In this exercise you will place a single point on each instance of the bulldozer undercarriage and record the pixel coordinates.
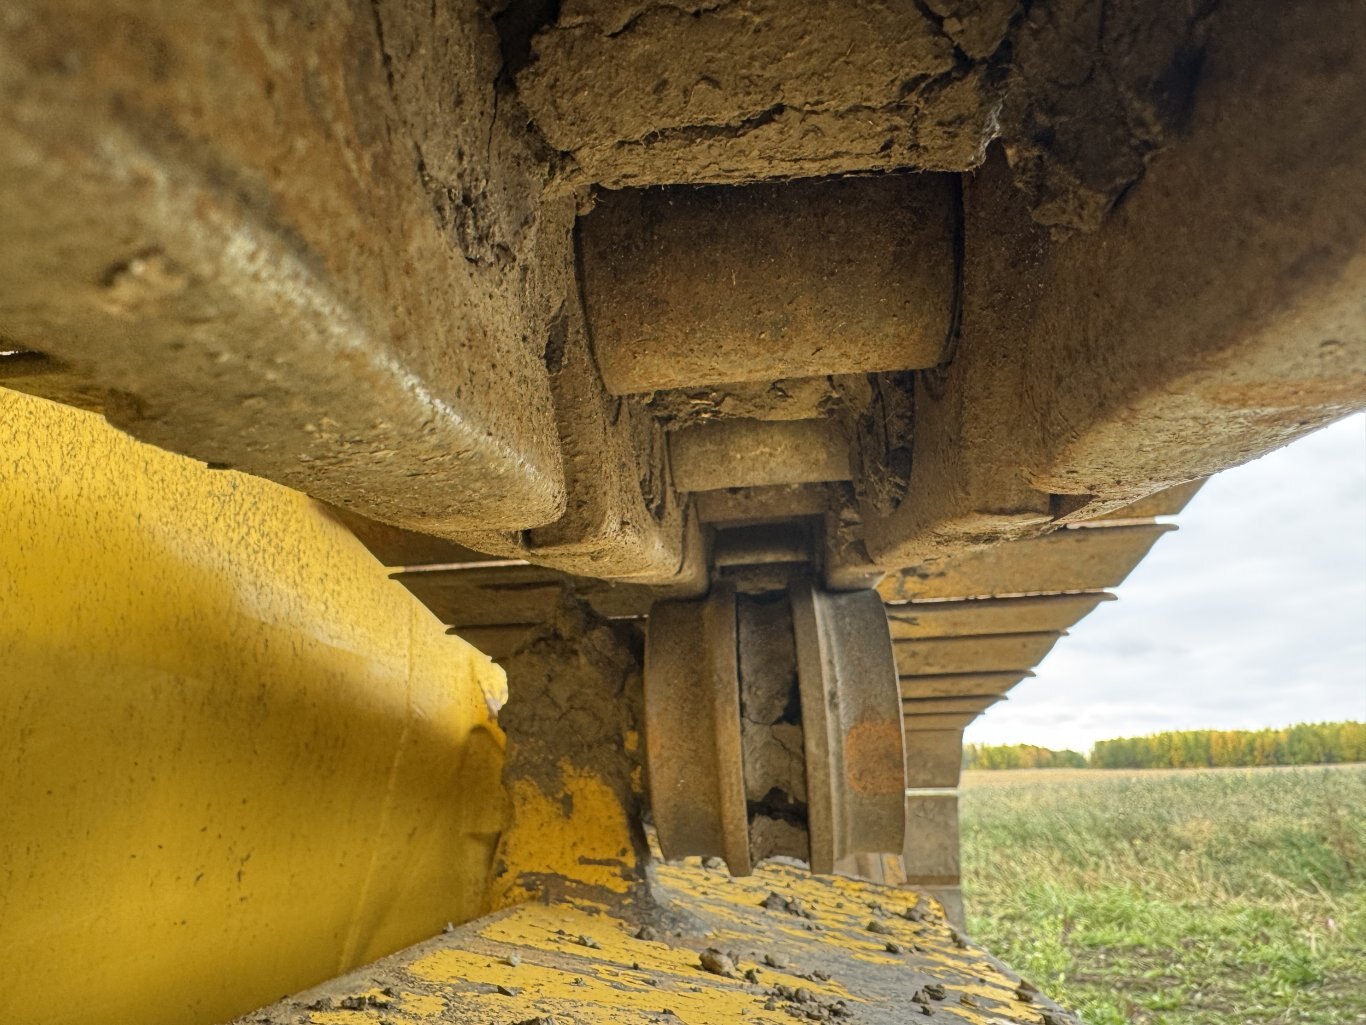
(851, 352)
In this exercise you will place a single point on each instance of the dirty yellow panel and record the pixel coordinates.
(771, 948)
(238, 760)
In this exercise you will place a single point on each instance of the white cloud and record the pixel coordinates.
(1252, 614)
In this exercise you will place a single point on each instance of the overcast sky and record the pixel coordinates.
(1252, 614)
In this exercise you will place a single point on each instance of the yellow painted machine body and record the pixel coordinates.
(236, 760)
(240, 763)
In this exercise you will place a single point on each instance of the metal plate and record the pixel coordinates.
(501, 592)
(959, 684)
(692, 729)
(913, 621)
(1087, 559)
(851, 721)
(999, 653)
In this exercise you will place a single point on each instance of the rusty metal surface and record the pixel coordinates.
(1087, 559)
(692, 730)
(956, 655)
(1040, 614)
(688, 287)
(851, 716)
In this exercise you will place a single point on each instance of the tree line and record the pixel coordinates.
(1303, 744)
(1019, 756)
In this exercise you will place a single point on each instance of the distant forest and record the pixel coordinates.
(1305, 744)
(1019, 756)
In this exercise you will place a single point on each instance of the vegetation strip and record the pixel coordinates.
(1196, 897)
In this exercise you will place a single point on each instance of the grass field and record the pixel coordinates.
(1191, 897)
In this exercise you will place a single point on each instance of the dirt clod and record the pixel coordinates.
(775, 901)
(717, 963)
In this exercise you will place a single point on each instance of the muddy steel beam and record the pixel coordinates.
(261, 265)
(1167, 502)
(1218, 313)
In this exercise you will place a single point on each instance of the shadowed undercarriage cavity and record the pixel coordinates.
(927, 308)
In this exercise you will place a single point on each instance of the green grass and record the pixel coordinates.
(1224, 897)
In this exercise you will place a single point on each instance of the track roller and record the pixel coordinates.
(773, 727)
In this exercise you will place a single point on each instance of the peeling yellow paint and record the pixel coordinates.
(589, 964)
(424, 1005)
(580, 834)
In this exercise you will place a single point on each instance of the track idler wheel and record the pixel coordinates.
(773, 727)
